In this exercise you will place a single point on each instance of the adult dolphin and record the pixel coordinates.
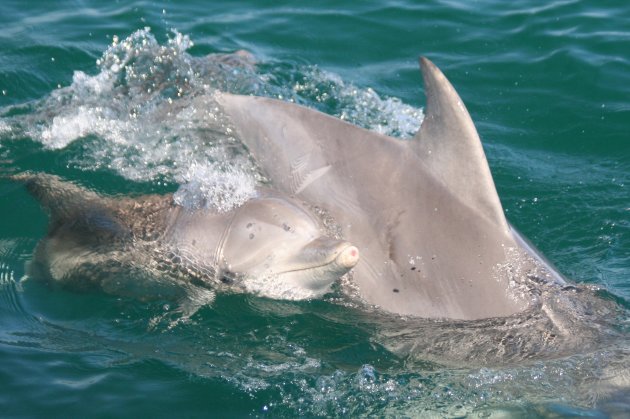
(425, 213)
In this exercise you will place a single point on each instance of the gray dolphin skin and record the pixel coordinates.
(271, 245)
(424, 213)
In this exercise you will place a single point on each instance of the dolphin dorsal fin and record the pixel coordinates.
(449, 145)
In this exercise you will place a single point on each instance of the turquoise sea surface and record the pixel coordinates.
(81, 85)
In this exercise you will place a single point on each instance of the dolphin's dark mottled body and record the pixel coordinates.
(150, 247)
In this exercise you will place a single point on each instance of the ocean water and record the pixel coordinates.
(103, 93)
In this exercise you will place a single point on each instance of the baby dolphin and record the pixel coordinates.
(271, 245)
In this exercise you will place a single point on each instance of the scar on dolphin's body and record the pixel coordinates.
(430, 200)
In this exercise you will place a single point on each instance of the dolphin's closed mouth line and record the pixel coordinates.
(349, 255)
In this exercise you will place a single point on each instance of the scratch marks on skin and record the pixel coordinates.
(299, 179)
(312, 177)
(392, 225)
(392, 251)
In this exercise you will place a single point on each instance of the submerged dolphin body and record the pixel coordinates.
(149, 247)
(424, 213)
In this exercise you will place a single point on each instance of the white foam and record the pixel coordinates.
(5, 128)
(360, 106)
(207, 186)
(81, 122)
(148, 114)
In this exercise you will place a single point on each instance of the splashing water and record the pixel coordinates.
(210, 187)
(362, 107)
(149, 114)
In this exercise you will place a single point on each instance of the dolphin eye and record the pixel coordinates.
(286, 227)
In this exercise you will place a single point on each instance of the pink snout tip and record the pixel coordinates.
(348, 257)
